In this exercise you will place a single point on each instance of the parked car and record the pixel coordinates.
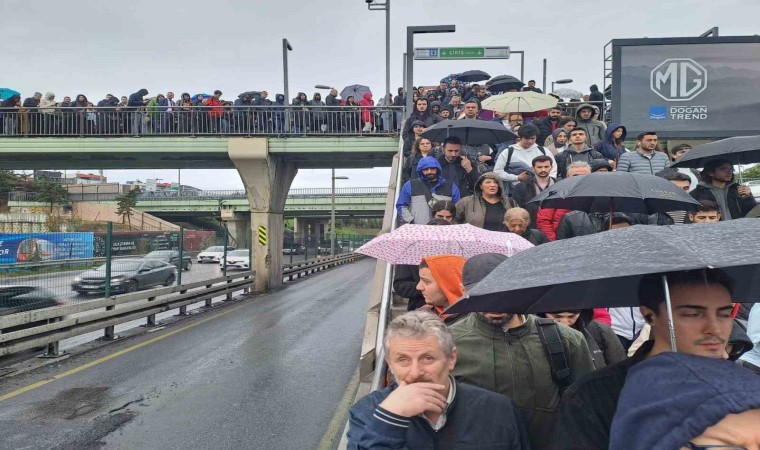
(212, 254)
(171, 257)
(325, 249)
(127, 275)
(237, 259)
(19, 298)
(296, 249)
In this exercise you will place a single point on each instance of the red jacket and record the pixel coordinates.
(367, 107)
(548, 219)
(217, 110)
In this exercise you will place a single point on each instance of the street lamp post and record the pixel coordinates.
(410, 32)
(562, 81)
(372, 6)
(286, 47)
(332, 212)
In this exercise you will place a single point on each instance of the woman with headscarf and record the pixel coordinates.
(559, 141)
(185, 113)
(79, 108)
(48, 111)
(317, 113)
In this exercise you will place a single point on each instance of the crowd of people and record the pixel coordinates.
(578, 379)
(251, 113)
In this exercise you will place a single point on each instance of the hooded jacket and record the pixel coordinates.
(447, 271)
(136, 100)
(595, 129)
(607, 147)
(368, 107)
(48, 101)
(472, 209)
(569, 156)
(426, 117)
(417, 196)
(672, 398)
(513, 363)
(732, 205)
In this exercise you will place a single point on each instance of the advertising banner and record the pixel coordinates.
(125, 243)
(38, 247)
(687, 87)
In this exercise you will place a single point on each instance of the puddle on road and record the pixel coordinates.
(70, 404)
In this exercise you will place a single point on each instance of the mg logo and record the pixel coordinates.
(678, 79)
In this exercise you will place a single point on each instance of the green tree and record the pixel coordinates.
(8, 183)
(752, 172)
(50, 192)
(124, 205)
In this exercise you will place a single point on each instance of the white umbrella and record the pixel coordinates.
(525, 101)
(568, 93)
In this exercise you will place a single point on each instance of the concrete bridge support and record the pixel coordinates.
(267, 180)
(238, 226)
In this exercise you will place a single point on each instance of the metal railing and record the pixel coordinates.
(228, 120)
(48, 326)
(22, 196)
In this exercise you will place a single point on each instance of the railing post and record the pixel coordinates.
(180, 264)
(151, 322)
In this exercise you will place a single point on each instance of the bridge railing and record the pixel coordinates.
(241, 120)
(22, 196)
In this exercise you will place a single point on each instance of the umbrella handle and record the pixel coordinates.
(669, 305)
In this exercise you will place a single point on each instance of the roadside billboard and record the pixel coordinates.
(37, 247)
(126, 243)
(687, 87)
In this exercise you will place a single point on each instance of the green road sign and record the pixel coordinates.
(461, 53)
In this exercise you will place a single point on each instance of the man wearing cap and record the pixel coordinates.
(505, 354)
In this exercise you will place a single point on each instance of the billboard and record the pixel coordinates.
(38, 247)
(687, 87)
(125, 243)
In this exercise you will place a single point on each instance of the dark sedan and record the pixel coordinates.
(127, 275)
(171, 257)
(19, 298)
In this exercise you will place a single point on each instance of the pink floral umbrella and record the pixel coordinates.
(410, 243)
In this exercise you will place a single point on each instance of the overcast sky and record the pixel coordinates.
(97, 47)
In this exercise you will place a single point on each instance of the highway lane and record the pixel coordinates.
(266, 373)
(59, 283)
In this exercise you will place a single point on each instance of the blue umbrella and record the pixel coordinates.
(6, 93)
(204, 95)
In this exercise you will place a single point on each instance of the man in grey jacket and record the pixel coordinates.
(595, 130)
(645, 159)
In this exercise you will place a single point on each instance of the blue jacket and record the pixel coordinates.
(673, 397)
(477, 418)
(414, 208)
(607, 147)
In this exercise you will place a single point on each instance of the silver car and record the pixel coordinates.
(127, 275)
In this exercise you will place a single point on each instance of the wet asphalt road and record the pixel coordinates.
(266, 373)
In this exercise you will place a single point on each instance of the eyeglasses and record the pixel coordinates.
(694, 446)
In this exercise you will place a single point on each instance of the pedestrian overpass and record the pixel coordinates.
(267, 167)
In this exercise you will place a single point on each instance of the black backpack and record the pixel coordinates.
(556, 352)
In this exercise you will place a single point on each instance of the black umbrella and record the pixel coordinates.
(469, 131)
(616, 191)
(604, 269)
(504, 83)
(472, 76)
(738, 150)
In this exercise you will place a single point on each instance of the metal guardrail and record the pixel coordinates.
(204, 195)
(224, 120)
(58, 323)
